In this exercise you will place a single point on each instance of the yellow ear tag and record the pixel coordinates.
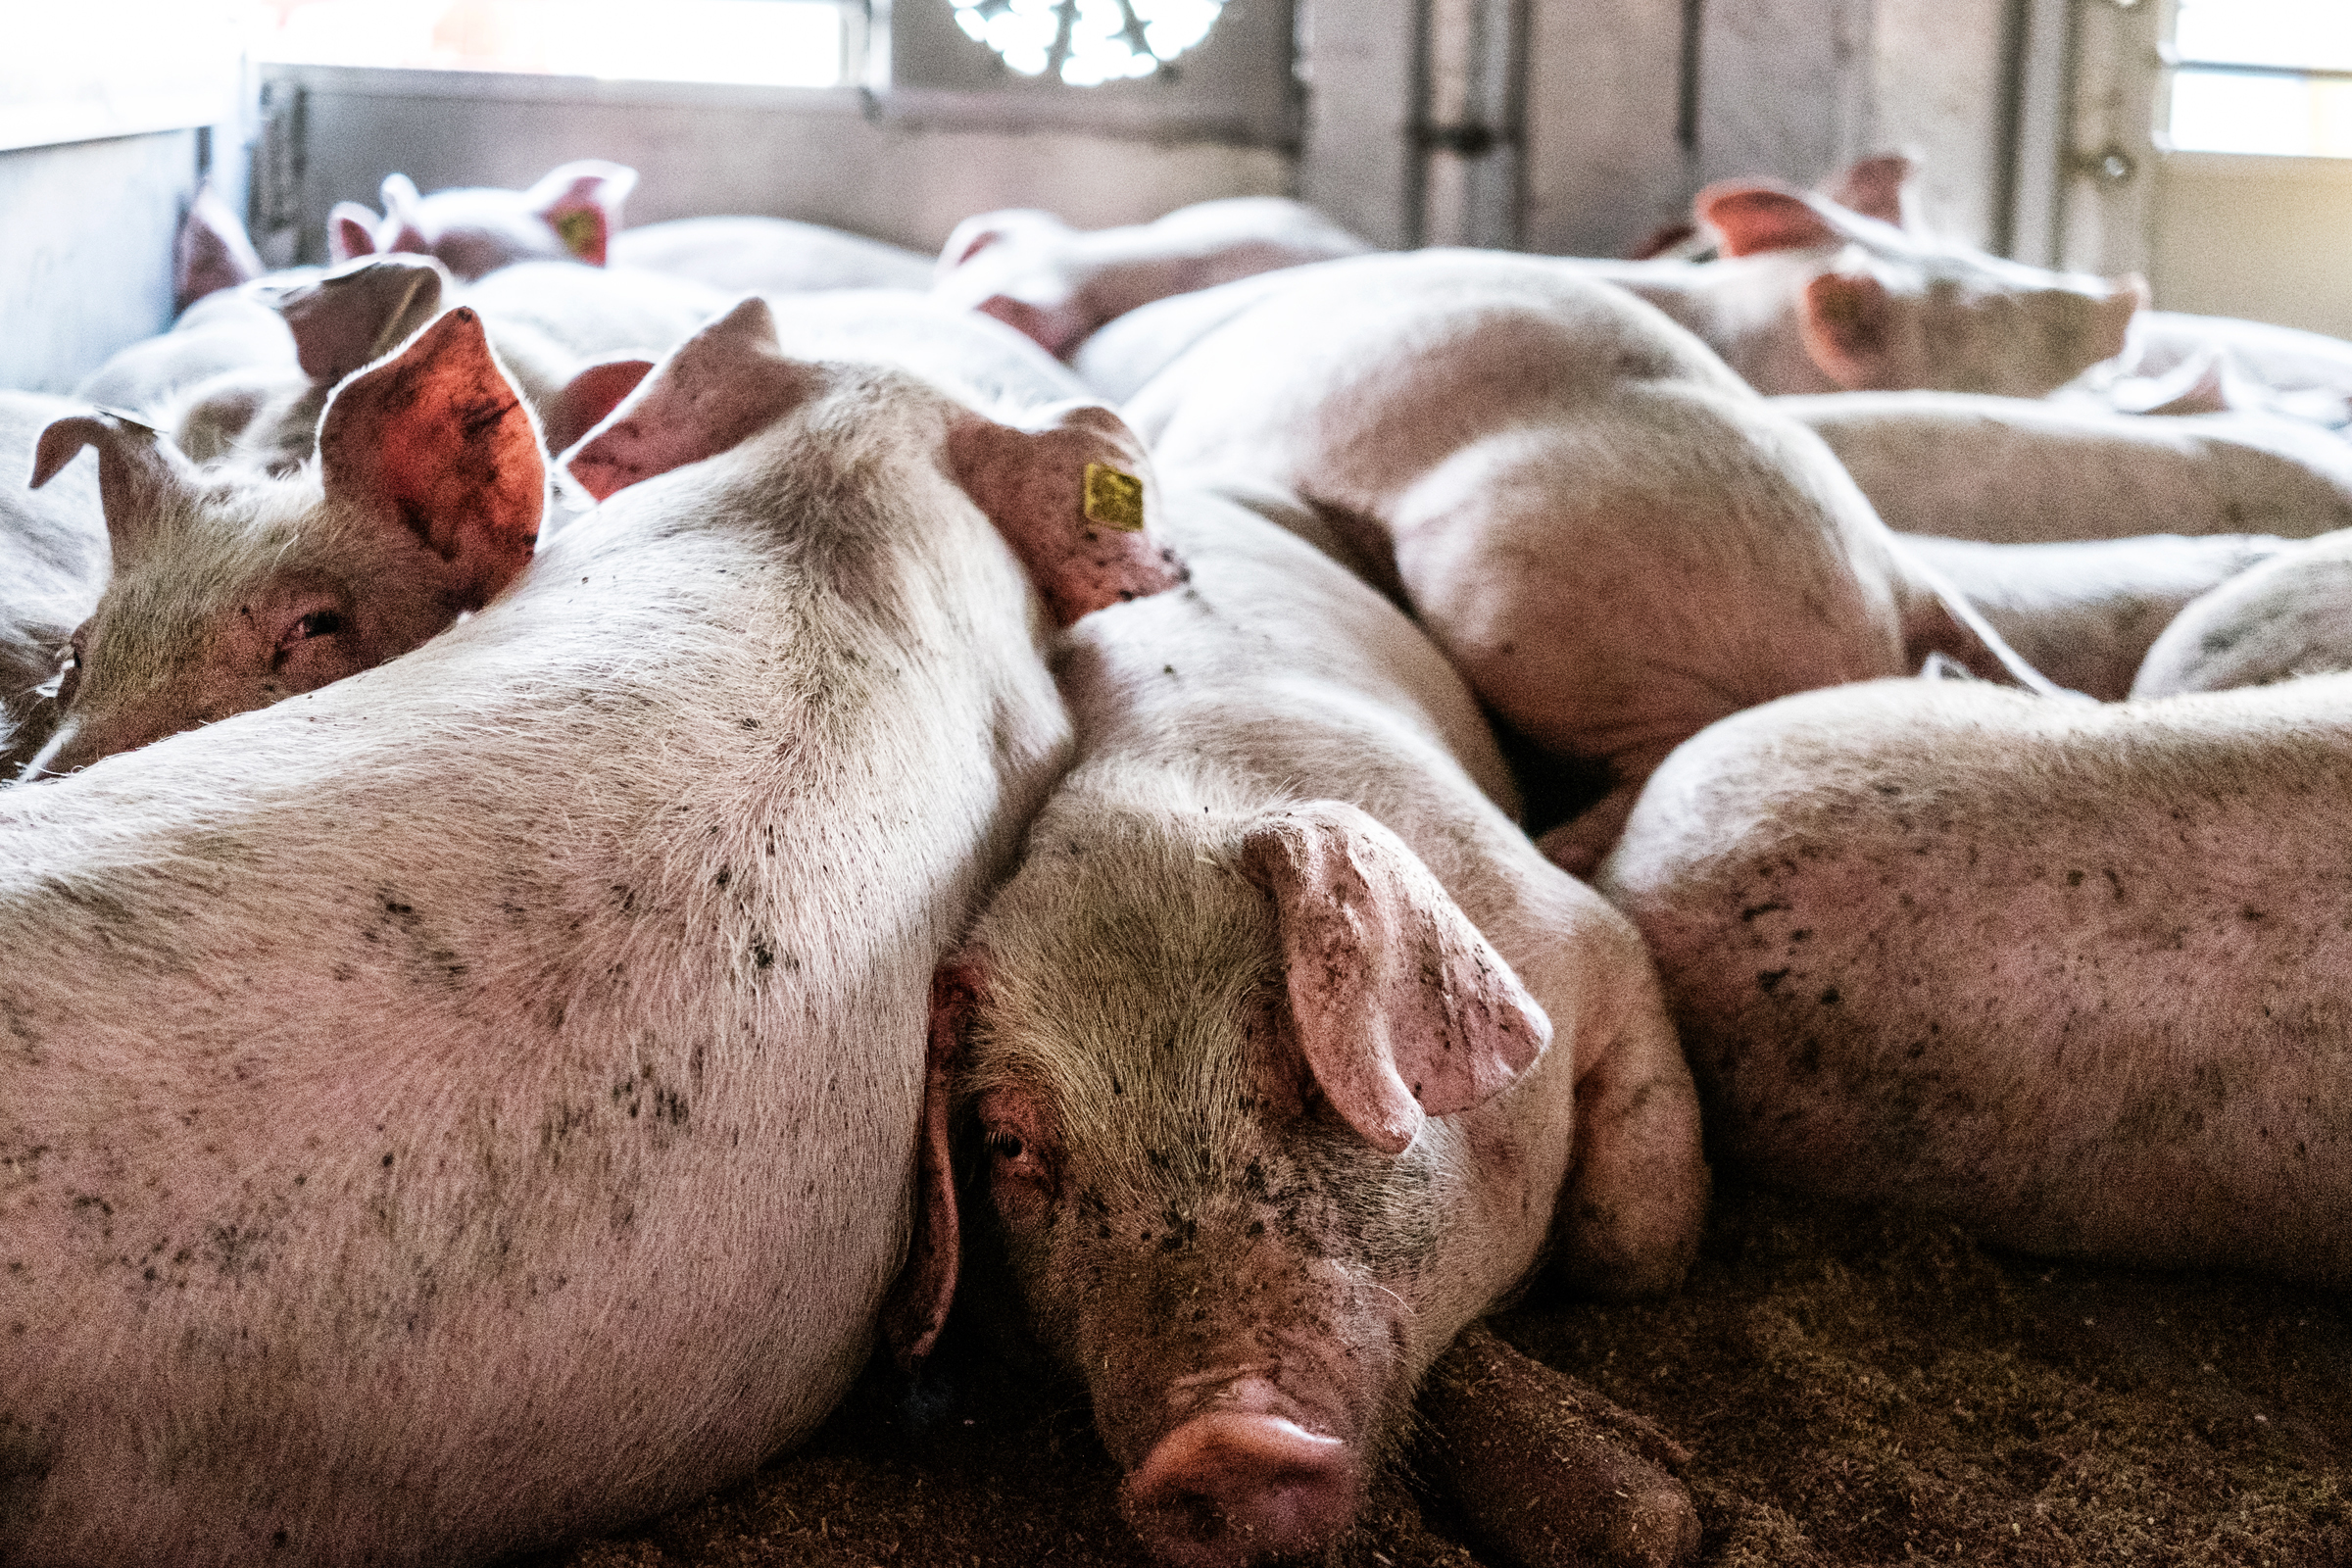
(577, 229)
(1113, 499)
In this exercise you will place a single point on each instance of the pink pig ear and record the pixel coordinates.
(349, 320)
(589, 397)
(212, 252)
(717, 388)
(437, 443)
(917, 1307)
(1071, 490)
(1849, 329)
(1875, 187)
(1402, 1008)
(1753, 218)
(350, 231)
(142, 477)
(581, 202)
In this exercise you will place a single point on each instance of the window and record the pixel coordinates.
(2264, 77)
(780, 43)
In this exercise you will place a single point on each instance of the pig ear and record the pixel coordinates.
(1849, 329)
(917, 1306)
(436, 442)
(589, 397)
(1072, 492)
(1875, 187)
(1400, 1006)
(349, 320)
(715, 389)
(971, 236)
(1755, 217)
(212, 252)
(581, 202)
(141, 475)
(350, 231)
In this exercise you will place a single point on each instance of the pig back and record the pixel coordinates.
(499, 1071)
(2072, 975)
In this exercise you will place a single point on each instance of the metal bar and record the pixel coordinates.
(1685, 91)
(2226, 67)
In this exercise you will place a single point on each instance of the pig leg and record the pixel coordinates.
(1635, 1203)
(1548, 1472)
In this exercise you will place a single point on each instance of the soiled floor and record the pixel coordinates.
(1854, 1390)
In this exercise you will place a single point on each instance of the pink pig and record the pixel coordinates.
(476, 1102)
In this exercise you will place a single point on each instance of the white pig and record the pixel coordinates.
(768, 256)
(2084, 614)
(570, 214)
(1289, 1051)
(232, 589)
(2290, 616)
(1812, 297)
(477, 1103)
(1614, 539)
(1057, 284)
(2014, 470)
(2077, 977)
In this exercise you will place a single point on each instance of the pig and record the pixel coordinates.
(768, 256)
(570, 214)
(235, 329)
(52, 566)
(267, 413)
(476, 1102)
(2240, 364)
(1057, 284)
(2290, 616)
(2009, 470)
(231, 591)
(1289, 1052)
(1813, 297)
(2070, 976)
(1614, 539)
(2085, 614)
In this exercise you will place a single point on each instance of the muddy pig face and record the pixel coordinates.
(1204, 1061)
(232, 590)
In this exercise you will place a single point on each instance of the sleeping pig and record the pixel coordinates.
(476, 1102)
(1288, 1053)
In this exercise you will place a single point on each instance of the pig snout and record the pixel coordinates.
(1240, 1479)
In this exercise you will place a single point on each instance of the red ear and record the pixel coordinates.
(212, 252)
(1058, 330)
(917, 1307)
(1874, 187)
(436, 441)
(1072, 492)
(589, 397)
(581, 202)
(350, 231)
(715, 389)
(1755, 217)
(1849, 329)
(348, 319)
(141, 475)
(1402, 1008)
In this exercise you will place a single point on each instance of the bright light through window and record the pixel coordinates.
(1088, 42)
(2287, 105)
(780, 43)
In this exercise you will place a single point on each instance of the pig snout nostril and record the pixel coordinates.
(1228, 1488)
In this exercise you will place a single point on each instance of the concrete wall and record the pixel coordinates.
(1789, 89)
(86, 247)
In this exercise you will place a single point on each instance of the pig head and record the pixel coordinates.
(231, 591)
(570, 215)
(1227, 1068)
(1868, 305)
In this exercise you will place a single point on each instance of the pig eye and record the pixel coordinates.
(1006, 1145)
(319, 623)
